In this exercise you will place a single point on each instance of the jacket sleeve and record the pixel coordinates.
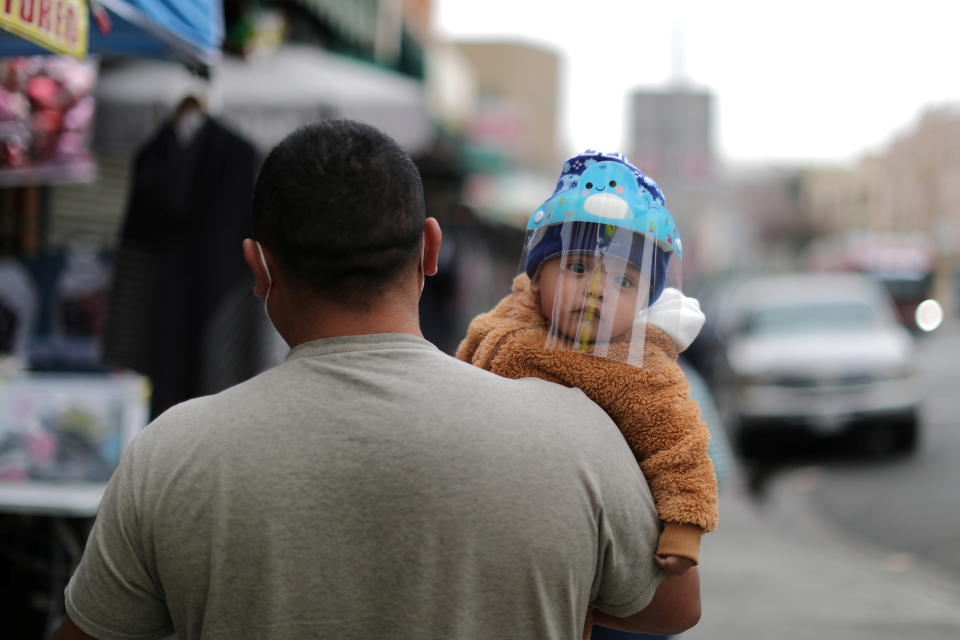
(664, 428)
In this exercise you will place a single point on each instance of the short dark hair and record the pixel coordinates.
(340, 206)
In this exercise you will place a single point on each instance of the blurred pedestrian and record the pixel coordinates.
(369, 486)
(597, 306)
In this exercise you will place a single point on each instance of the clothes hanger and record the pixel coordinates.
(188, 117)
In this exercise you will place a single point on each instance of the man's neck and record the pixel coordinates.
(329, 321)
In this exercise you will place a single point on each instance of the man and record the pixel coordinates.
(369, 486)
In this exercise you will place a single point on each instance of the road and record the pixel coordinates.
(776, 569)
(912, 505)
(908, 505)
(840, 546)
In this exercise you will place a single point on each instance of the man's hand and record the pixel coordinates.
(69, 631)
(674, 609)
(674, 565)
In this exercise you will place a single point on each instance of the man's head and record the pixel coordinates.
(339, 208)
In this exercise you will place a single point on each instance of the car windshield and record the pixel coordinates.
(811, 317)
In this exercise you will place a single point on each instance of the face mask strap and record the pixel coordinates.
(266, 296)
(423, 271)
(263, 261)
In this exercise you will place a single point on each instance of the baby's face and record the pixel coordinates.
(590, 297)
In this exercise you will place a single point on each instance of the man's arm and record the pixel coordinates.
(675, 608)
(114, 591)
(70, 631)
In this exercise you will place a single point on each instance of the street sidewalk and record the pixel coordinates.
(778, 570)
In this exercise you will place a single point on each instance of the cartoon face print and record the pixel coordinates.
(607, 189)
(609, 177)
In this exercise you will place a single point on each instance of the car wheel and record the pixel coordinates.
(750, 443)
(907, 434)
(897, 435)
(877, 440)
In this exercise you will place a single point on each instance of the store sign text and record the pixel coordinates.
(56, 25)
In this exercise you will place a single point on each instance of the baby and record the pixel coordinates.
(592, 309)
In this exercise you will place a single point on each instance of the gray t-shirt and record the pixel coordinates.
(370, 486)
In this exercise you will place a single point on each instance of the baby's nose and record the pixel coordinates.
(597, 283)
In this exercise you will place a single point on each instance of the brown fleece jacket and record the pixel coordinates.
(651, 406)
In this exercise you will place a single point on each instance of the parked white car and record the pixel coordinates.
(822, 353)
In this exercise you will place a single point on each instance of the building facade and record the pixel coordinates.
(518, 97)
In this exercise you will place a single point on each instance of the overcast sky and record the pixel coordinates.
(819, 80)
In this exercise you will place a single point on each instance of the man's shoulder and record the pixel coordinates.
(442, 385)
(542, 407)
(219, 407)
(520, 389)
(556, 397)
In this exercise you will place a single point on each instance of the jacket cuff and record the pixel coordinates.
(680, 539)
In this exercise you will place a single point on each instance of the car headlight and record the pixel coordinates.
(928, 315)
(896, 373)
(757, 380)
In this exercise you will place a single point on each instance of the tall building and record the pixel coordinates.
(671, 134)
(670, 138)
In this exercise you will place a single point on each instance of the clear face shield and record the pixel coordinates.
(603, 256)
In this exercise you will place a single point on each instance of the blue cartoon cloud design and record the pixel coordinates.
(607, 188)
(609, 192)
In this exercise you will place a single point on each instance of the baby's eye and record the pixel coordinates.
(577, 267)
(613, 183)
(625, 282)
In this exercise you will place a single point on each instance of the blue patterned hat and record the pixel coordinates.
(574, 167)
(605, 188)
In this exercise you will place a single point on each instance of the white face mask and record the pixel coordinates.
(266, 296)
(423, 276)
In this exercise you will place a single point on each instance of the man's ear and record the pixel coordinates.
(252, 257)
(432, 238)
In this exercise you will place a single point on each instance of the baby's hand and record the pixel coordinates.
(674, 565)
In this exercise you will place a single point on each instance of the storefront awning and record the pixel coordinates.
(265, 97)
(188, 31)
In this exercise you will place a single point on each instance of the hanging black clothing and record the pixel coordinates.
(181, 308)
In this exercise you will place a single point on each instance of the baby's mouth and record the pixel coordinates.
(588, 313)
